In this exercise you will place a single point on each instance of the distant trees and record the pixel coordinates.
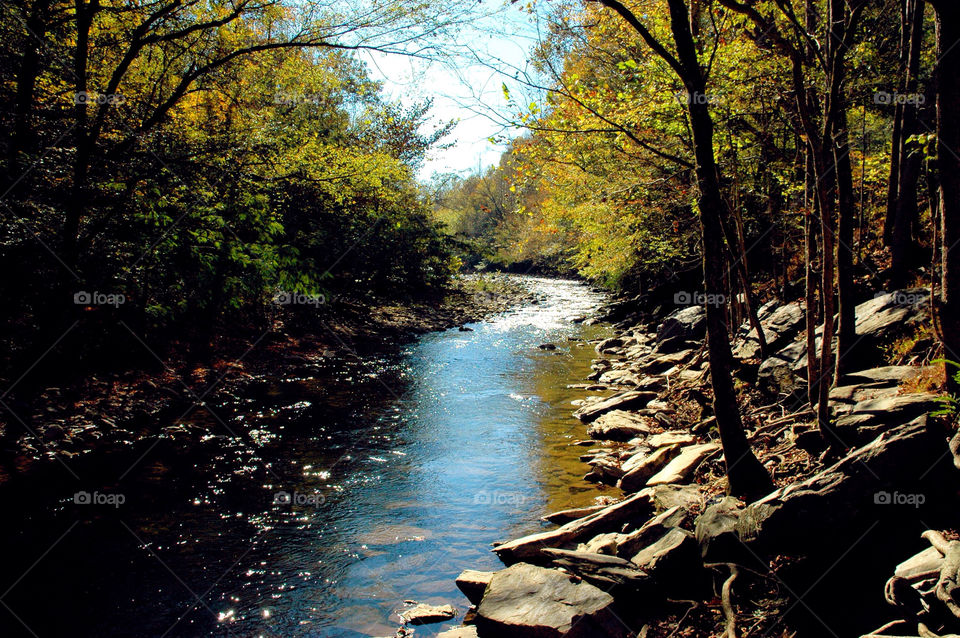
(199, 157)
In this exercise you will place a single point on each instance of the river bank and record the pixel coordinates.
(109, 410)
(667, 556)
(321, 497)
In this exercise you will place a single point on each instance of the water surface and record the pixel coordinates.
(349, 491)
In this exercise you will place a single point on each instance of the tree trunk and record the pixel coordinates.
(846, 300)
(947, 307)
(905, 209)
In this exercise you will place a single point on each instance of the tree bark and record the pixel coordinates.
(947, 307)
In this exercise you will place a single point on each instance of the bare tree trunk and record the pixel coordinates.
(947, 307)
(905, 209)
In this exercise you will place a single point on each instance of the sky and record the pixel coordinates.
(464, 89)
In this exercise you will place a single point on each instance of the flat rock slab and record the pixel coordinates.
(620, 425)
(473, 583)
(780, 325)
(609, 519)
(670, 438)
(837, 504)
(526, 601)
(467, 631)
(632, 400)
(689, 459)
(639, 468)
(423, 614)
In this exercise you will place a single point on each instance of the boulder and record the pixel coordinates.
(640, 467)
(633, 399)
(613, 343)
(467, 631)
(850, 496)
(869, 417)
(780, 324)
(526, 601)
(630, 544)
(681, 467)
(611, 518)
(670, 438)
(716, 532)
(473, 583)
(776, 373)
(565, 516)
(688, 323)
(673, 560)
(424, 614)
(891, 313)
(620, 425)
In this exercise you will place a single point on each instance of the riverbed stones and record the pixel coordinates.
(611, 518)
(687, 323)
(641, 467)
(681, 467)
(632, 400)
(851, 495)
(620, 425)
(780, 323)
(424, 614)
(467, 631)
(527, 601)
(673, 560)
(473, 583)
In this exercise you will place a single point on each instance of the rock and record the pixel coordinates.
(526, 601)
(689, 459)
(688, 323)
(547, 346)
(630, 544)
(424, 614)
(875, 383)
(611, 518)
(607, 468)
(473, 583)
(780, 324)
(664, 363)
(640, 467)
(468, 631)
(465, 329)
(601, 544)
(565, 516)
(672, 560)
(776, 373)
(868, 418)
(633, 399)
(615, 575)
(620, 425)
(891, 313)
(664, 497)
(619, 377)
(670, 438)
(850, 496)
(612, 343)
(716, 533)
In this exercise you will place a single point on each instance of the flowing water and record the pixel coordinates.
(373, 481)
